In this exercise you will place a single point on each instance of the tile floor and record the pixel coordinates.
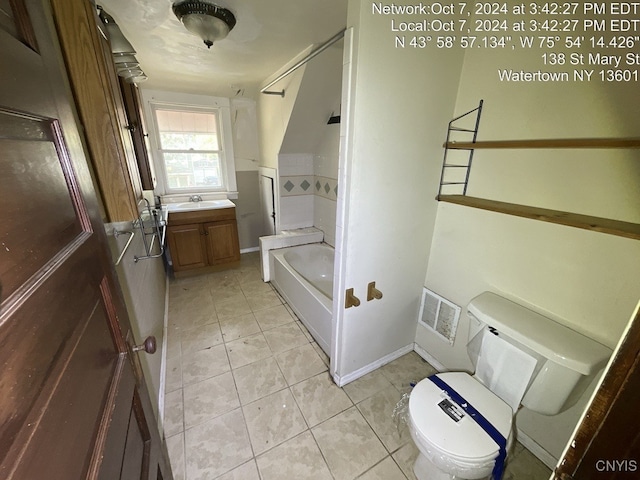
(249, 396)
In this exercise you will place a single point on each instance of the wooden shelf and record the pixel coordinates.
(596, 224)
(549, 143)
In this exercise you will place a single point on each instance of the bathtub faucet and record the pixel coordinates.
(195, 198)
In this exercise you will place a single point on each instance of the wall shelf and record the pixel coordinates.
(596, 224)
(548, 143)
(586, 222)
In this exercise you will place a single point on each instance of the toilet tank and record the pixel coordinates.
(567, 360)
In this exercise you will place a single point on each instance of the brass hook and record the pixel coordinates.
(373, 292)
(350, 300)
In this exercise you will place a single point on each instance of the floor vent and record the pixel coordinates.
(439, 314)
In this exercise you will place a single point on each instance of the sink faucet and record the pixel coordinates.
(195, 198)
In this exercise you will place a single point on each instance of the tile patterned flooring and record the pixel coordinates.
(249, 396)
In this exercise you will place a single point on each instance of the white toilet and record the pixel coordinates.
(521, 358)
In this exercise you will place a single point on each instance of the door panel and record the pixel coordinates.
(186, 247)
(222, 242)
(35, 195)
(67, 383)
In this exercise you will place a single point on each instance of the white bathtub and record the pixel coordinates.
(304, 277)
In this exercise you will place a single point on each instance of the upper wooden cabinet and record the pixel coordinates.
(138, 130)
(101, 110)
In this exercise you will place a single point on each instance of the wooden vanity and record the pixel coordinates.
(202, 239)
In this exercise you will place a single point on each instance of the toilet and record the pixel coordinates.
(462, 424)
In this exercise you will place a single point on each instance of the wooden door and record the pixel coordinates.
(606, 444)
(186, 246)
(222, 242)
(71, 404)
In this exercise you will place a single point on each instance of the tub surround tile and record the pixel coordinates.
(199, 338)
(300, 363)
(296, 185)
(217, 446)
(257, 380)
(273, 317)
(319, 398)
(385, 470)
(248, 350)
(173, 413)
(366, 386)
(378, 411)
(298, 458)
(247, 471)
(272, 420)
(175, 447)
(203, 364)
(238, 327)
(208, 399)
(348, 444)
(285, 337)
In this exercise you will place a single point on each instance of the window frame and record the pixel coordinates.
(220, 107)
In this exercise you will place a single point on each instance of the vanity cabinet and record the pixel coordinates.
(200, 239)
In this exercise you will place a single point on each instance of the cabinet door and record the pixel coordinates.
(138, 130)
(187, 246)
(222, 242)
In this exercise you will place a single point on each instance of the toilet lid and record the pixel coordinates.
(447, 427)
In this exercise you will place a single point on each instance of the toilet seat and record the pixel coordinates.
(463, 441)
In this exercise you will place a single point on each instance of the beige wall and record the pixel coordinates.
(584, 280)
(393, 104)
(144, 288)
(274, 112)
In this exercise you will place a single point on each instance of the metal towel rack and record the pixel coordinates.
(152, 225)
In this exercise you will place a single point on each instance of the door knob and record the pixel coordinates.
(148, 346)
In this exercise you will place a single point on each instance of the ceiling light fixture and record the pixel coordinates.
(206, 20)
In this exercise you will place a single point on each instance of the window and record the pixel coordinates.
(192, 143)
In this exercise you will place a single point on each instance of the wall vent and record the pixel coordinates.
(439, 315)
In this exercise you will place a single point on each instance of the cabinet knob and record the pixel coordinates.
(148, 346)
(131, 128)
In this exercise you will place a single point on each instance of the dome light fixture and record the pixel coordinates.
(206, 20)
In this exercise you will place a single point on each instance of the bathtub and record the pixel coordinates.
(303, 275)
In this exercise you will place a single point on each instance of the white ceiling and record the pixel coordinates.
(267, 35)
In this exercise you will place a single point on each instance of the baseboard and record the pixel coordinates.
(341, 381)
(429, 358)
(163, 362)
(537, 451)
(249, 250)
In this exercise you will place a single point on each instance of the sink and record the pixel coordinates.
(203, 205)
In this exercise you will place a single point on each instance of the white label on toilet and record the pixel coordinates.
(452, 409)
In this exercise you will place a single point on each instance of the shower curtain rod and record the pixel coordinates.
(317, 51)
